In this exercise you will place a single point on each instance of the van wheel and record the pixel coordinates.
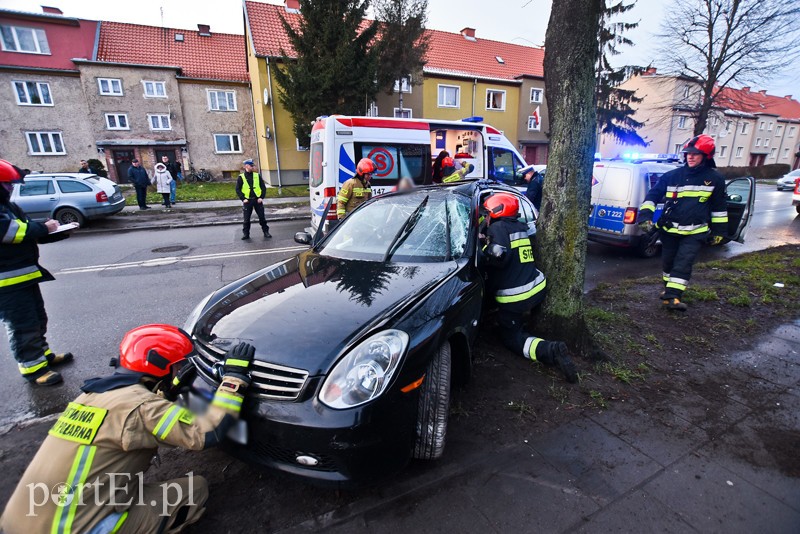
(69, 215)
(434, 407)
(797, 208)
(648, 248)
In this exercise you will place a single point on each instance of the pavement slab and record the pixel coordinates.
(637, 512)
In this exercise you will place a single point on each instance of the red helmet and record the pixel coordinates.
(153, 349)
(8, 172)
(700, 144)
(365, 166)
(501, 205)
(448, 162)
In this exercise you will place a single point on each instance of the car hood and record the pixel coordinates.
(302, 312)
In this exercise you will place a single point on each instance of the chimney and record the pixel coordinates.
(292, 6)
(469, 34)
(788, 97)
(763, 92)
(746, 89)
(650, 71)
(52, 10)
(204, 30)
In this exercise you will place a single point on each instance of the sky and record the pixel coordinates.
(517, 21)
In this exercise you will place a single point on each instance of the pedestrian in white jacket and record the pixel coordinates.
(162, 180)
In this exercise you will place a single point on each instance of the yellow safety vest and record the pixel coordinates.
(246, 186)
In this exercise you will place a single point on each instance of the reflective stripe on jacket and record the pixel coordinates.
(19, 252)
(516, 282)
(353, 193)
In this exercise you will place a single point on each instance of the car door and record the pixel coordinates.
(741, 197)
(36, 197)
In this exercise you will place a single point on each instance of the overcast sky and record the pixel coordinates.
(516, 21)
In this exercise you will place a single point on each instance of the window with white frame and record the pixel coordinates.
(159, 122)
(227, 143)
(373, 109)
(772, 152)
(761, 126)
(534, 123)
(682, 122)
(405, 113)
(449, 96)
(25, 40)
(33, 93)
(678, 148)
(495, 99)
(744, 128)
(685, 91)
(222, 100)
(758, 141)
(766, 141)
(722, 150)
(728, 125)
(117, 121)
(779, 129)
(302, 148)
(785, 153)
(791, 131)
(110, 86)
(769, 126)
(739, 150)
(536, 95)
(45, 143)
(154, 89)
(716, 121)
(404, 83)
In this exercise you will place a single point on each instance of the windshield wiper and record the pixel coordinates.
(404, 231)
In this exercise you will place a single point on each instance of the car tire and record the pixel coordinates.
(434, 407)
(69, 215)
(797, 208)
(646, 249)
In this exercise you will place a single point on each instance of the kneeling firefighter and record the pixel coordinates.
(517, 284)
(87, 475)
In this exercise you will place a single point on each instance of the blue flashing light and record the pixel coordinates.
(598, 156)
(472, 119)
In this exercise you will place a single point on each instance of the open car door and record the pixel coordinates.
(741, 195)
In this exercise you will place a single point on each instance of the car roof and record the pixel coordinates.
(76, 175)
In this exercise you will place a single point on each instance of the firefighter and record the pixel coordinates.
(21, 304)
(451, 174)
(87, 475)
(517, 284)
(695, 207)
(356, 190)
(251, 190)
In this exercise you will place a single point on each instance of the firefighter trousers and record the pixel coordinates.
(678, 254)
(22, 311)
(518, 341)
(247, 209)
(167, 507)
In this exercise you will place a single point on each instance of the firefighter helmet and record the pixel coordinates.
(365, 166)
(448, 162)
(8, 172)
(700, 144)
(501, 205)
(153, 349)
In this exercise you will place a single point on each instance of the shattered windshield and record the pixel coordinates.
(415, 227)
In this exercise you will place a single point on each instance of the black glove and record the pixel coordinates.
(238, 361)
(181, 382)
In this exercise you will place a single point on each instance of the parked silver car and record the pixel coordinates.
(788, 181)
(68, 197)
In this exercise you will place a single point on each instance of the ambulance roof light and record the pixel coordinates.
(472, 119)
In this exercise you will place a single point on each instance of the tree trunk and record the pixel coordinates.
(571, 44)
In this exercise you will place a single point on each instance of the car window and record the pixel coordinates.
(504, 165)
(394, 161)
(372, 231)
(525, 211)
(316, 164)
(737, 189)
(71, 186)
(616, 184)
(36, 188)
(653, 177)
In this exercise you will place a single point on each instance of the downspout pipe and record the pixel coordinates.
(474, 91)
(274, 129)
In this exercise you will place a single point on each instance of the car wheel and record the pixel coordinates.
(69, 215)
(434, 407)
(797, 208)
(648, 248)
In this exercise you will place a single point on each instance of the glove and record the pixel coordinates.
(716, 240)
(238, 361)
(646, 226)
(182, 380)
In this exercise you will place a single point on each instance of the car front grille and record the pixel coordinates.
(275, 453)
(270, 380)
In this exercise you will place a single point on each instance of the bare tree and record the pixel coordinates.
(724, 43)
(569, 68)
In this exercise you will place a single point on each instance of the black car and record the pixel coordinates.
(359, 339)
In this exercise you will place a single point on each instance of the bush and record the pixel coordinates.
(764, 172)
(97, 167)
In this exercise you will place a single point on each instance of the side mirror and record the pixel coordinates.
(304, 238)
(735, 198)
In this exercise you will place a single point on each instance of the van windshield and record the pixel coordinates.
(394, 161)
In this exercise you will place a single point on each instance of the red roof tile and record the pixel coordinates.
(448, 53)
(757, 102)
(218, 57)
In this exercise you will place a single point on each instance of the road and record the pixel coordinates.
(108, 283)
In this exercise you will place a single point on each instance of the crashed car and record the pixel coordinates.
(359, 339)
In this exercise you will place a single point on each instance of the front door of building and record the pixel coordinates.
(122, 162)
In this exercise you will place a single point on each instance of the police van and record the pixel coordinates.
(620, 186)
(400, 148)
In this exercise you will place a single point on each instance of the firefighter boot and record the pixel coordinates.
(674, 304)
(48, 378)
(54, 358)
(558, 354)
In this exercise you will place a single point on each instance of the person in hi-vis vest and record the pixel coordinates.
(251, 190)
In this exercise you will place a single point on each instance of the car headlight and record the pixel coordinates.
(188, 326)
(365, 371)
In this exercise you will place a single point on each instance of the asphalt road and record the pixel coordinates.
(108, 283)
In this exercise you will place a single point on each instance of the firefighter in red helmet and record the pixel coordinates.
(518, 286)
(99, 448)
(695, 212)
(356, 190)
(21, 304)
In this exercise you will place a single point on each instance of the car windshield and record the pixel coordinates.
(424, 226)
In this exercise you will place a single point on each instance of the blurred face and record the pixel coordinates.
(84, 164)
(135, 163)
(248, 168)
(693, 160)
(528, 176)
(165, 159)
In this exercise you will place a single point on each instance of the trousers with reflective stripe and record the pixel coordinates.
(23, 313)
(678, 254)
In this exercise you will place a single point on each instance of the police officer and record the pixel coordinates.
(695, 207)
(251, 190)
(96, 453)
(451, 174)
(21, 304)
(356, 190)
(517, 284)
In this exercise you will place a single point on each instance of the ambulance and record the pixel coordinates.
(400, 147)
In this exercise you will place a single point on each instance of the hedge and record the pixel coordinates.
(764, 172)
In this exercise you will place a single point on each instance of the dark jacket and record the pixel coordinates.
(534, 191)
(515, 281)
(249, 177)
(138, 176)
(174, 169)
(19, 251)
(695, 201)
(85, 171)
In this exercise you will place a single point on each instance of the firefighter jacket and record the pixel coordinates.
(91, 461)
(353, 193)
(515, 281)
(459, 174)
(695, 199)
(19, 251)
(250, 187)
